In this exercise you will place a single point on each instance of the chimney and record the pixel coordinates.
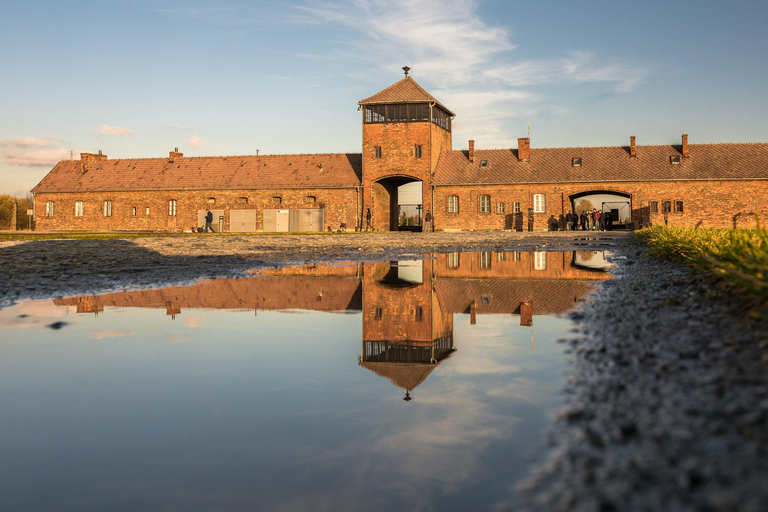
(524, 149)
(471, 151)
(173, 155)
(473, 313)
(685, 145)
(88, 159)
(632, 147)
(526, 314)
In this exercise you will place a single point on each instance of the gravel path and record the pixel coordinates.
(667, 389)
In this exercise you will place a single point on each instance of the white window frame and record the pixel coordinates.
(453, 204)
(539, 203)
(540, 260)
(172, 207)
(500, 207)
(78, 208)
(49, 208)
(485, 203)
(516, 206)
(108, 208)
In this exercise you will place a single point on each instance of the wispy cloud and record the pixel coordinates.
(31, 142)
(113, 130)
(181, 127)
(468, 61)
(38, 157)
(195, 142)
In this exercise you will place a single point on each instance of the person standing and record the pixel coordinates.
(209, 221)
(428, 221)
(368, 220)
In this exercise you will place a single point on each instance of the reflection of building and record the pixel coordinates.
(407, 306)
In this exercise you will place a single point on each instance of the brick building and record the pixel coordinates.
(407, 143)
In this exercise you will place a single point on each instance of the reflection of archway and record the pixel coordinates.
(386, 205)
(616, 204)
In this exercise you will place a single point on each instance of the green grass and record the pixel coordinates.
(738, 257)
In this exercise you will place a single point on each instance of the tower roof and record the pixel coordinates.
(404, 91)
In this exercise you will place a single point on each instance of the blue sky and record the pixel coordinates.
(137, 78)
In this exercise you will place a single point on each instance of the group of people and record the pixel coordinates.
(589, 220)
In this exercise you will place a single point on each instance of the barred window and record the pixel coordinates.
(539, 203)
(453, 204)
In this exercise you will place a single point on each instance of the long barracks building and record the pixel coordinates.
(406, 141)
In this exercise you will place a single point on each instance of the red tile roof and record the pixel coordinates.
(227, 172)
(404, 91)
(554, 165)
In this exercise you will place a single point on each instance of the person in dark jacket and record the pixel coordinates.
(209, 221)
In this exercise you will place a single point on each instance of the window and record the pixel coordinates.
(419, 313)
(502, 255)
(108, 208)
(377, 151)
(485, 299)
(485, 259)
(485, 204)
(539, 203)
(49, 209)
(146, 211)
(576, 162)
(211, 200)
(654, 206)
(678, 207)
(499, 207)
(516, 207)
(483, 164)
(377, 313)
(133, 211)
(441, 118)
(453, 204)
(78, 208)
(453, 260)
(540, 260)
(517, 256)
(242, 200)
(417, 151)
(674, 159)
(666, 207)
(171, 207)
(277, 200)
(311, 199)
(396, 113)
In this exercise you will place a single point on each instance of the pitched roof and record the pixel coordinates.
(336, 170)
(652, 163)
(404, 91)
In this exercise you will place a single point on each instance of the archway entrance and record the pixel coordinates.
(397, 204)
(616, 206)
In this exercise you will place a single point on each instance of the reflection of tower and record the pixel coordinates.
(405, 332)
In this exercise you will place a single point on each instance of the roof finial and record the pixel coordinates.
(406, 69)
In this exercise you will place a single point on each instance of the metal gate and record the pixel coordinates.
(298, 220)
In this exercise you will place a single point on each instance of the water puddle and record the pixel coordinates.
(425, 384)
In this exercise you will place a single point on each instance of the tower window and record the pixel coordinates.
(417, 151)
(377, 151)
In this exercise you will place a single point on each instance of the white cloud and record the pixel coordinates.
(113, 130)
(471, 61)
(31, 142)
(181, 126)
(37, 158)
(195, 142)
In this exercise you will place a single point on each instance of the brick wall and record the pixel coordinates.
(705, 204)
(340, 205)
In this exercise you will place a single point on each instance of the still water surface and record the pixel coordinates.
(417, 385)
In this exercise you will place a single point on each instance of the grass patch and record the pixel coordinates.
(738, 257)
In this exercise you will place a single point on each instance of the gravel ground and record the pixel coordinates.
(667, 389)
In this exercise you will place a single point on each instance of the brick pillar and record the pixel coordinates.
(632, 147)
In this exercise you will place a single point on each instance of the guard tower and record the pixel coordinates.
(404, 130)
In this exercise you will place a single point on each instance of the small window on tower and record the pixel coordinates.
(377, 151)
(417, 151)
